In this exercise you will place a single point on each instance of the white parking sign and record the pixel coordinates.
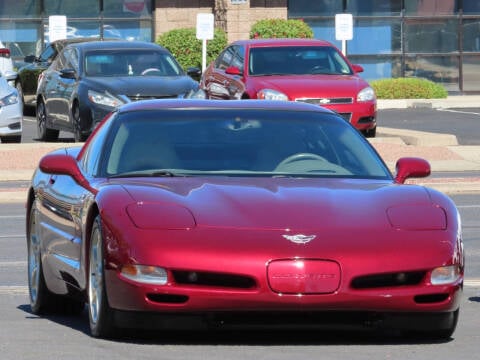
(343, 26)
(205, 25)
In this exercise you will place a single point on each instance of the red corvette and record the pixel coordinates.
(311, 71)
(196, 213)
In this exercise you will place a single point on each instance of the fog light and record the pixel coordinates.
(445, 275)
(145, 274)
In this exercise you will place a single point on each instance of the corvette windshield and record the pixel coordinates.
(239, 142)
(297, 60)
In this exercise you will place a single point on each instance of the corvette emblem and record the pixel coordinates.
(324, 101)
(300, 238)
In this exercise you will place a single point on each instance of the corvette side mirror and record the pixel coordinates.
(411, 167)
(63, 164)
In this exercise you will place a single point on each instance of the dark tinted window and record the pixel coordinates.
(288, 60)
(240, 143)
(225, 58)
(131, 62)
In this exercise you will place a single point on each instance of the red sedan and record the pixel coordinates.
(311, 71)
(215, 213)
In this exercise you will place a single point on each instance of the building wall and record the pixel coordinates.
(235, 19)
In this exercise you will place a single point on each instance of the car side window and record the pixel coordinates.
(59, 62)
(48, 54)
(239, 57)
(90, 161)
(71, 59)
(225, 58)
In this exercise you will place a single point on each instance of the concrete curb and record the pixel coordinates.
(418, 138)
(460, 101)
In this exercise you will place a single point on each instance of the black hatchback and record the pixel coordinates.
(90, 79)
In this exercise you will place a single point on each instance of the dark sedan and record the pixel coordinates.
(90, 79)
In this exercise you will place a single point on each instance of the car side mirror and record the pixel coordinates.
(68, 73)
(411, 167)
(194, 73)
(30, 58)
(233, 70)
(63, 164)
(357, 68)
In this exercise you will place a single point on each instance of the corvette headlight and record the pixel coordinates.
(9, 99)
(269, 94)
(104, 99)
(367, 94)
(145, 274)
(445, 275)
(160, 216)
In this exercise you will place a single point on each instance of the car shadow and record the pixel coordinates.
(59, 140)
(474, 299)
(239, 337)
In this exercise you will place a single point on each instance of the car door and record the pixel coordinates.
(68, 78)
(49, 87)
(224, 78)
(29, 74)
(60, 204)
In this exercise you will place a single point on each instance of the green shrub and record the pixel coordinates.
(187, 49)
(280, 28)
(408, 88)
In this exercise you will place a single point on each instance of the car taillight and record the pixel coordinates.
(5, 53)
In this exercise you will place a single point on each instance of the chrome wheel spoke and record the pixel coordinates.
(95, 277)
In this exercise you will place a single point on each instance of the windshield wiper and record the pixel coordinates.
(156, 173)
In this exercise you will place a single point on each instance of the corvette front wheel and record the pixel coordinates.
(99, 312)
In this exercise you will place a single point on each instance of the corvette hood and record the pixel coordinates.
(293, 204)
(145, 86)
(313, 85)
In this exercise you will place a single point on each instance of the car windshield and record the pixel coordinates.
(238, 142)
(297, 60)
(130, 62)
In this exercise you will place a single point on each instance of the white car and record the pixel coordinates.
(6, 65)
(11, 113)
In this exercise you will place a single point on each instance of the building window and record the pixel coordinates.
(440, 69)
(430, 7)
(471, 35)
(374, 7)
(76, 9)
(20, 9)
(471, 71)
(376, 36)
(127, 8)
(471, 7)
(299, 8)
(433, 35)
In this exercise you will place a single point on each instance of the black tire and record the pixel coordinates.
(445, 334)
(435, 332)
(42, 300)
(78, 135)
(11, 139)
(370, 133)
(43, 132)
(100, 315)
